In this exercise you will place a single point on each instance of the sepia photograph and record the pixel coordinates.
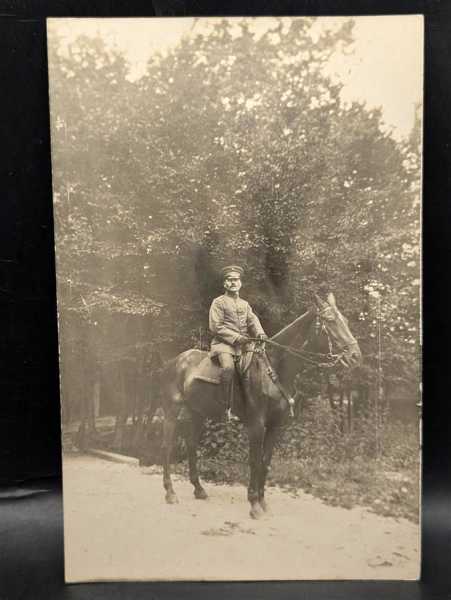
(237, 210)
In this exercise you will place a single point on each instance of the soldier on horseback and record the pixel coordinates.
(231, 321)
(190, 379)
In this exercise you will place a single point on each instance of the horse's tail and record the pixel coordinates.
(155, 395)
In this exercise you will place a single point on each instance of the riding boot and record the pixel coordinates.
(227, 391)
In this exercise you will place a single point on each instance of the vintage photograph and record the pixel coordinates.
(237, 207)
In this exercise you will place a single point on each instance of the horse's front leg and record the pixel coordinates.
(256, 436)
(192, 435)
(168, 447)
(268, 447)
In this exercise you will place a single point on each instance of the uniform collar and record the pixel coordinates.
(232, 296)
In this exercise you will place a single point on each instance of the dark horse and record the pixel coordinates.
(261, 401)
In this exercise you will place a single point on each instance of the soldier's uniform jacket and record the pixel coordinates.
(229, 319)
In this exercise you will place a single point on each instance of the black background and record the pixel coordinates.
(31, 546)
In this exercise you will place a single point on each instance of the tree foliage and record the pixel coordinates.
(230, 148)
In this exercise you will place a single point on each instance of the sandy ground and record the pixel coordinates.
(118, 526)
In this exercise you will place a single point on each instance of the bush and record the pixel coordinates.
(376, 464)
(229, 441)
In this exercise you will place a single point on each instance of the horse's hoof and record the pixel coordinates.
(256, 511)
(171, 498)
(200, 494)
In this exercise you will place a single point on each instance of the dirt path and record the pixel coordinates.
(118, 526)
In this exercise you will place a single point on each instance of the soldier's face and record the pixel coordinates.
(232, 283)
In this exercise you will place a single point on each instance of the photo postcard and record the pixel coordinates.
(237, 207)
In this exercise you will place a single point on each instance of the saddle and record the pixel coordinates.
(208, 401)
(203, 393)
(209, 370)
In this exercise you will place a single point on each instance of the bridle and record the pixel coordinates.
(317, 359)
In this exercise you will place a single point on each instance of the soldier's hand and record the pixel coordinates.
(260, 348)
(243, 339)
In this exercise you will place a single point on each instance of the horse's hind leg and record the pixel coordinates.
(168, 447)
(192, 434)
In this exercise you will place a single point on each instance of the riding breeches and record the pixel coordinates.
(227, 363)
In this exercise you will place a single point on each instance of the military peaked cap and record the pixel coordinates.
(232, 269)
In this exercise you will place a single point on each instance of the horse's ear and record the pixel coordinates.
(331, 300)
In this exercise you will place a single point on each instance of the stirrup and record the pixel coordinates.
(230, 417)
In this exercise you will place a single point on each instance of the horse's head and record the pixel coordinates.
(333, 330)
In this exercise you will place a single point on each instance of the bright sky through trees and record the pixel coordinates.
(385, 68)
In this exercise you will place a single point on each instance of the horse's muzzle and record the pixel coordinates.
(352, 356)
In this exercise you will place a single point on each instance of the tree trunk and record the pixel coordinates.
(122, 411)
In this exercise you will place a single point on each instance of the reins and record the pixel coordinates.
(310, 357)
(305, 355)
(317, 359)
